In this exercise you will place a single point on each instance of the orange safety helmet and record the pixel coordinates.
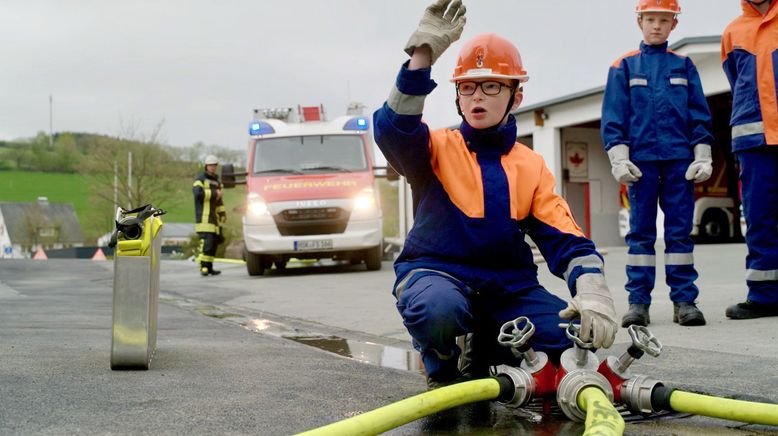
(489, 56)
(671, 6)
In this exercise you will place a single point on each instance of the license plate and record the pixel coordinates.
(314, 244)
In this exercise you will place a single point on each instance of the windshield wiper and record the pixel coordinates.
(326, 167)
(280, 170)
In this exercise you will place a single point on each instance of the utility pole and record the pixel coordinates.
(51, 121)
(129, 180)
(115, 185)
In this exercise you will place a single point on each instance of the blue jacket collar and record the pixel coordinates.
(653, 49)
(494, 141)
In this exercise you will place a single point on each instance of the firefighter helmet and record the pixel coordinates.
(211, 160)
(671, 6)
(489, 56)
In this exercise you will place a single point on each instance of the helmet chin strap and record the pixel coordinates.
(507, 109)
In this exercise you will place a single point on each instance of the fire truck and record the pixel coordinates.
(311, 189)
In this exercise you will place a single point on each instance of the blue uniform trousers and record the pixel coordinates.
(759, 178)
(665, 182)
(437, 308)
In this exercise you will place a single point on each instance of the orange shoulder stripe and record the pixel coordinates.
(457, 169)
(626, 55)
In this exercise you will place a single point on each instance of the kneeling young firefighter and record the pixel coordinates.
(210, 214)
(465, 266)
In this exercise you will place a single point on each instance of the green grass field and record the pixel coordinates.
(26, 186)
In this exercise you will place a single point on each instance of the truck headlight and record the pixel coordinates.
(256, 206)
(365, 200)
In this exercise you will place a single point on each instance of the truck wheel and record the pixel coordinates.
(373, 258)
(255, 263)
(714, 226)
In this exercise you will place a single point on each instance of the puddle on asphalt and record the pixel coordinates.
(366, 352)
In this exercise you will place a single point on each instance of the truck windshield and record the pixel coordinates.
(309, 154)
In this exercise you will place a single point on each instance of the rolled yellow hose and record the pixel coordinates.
(410, 409)
(602, 418)
(724, 408)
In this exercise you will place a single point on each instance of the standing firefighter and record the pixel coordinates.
(749, 51)
(465, 266)
(656, 129)
(209, 214)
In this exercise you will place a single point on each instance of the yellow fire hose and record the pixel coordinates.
(602, 418)
(724, 408)
(410, 409)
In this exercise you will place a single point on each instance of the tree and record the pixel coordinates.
(153, 176)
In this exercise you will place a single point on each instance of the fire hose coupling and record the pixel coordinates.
(639, 395)
(521, 389)
(571, 386)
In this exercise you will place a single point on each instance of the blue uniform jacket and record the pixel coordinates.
(476, 194)
(654, 103)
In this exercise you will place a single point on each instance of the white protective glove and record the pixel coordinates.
(623, 170)
(701, 169)
(594, 305)
(438, 28)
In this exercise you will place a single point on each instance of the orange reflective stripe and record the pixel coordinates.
(457, 169)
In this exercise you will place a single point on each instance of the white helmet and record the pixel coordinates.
(211, 160)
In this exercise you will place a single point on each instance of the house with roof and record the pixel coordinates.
(25, 227)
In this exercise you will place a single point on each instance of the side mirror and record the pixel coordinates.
(387, 173)
(391, 173)
(229, 176)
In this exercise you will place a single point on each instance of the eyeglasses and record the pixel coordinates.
(489, 87)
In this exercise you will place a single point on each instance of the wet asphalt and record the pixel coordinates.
(294, 350)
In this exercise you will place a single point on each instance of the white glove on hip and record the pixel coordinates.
(594, 305)
(701, 169)
(623, 170)
(438, 28)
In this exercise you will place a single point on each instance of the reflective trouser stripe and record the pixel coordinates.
(590, 261)
(679, 259)
(755, 275)
(747, 129)
(641, 260)
(398, 290)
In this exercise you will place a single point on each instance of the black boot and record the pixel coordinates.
(751, 310)
(471, 364)
(204, 268)
(214, 272)
(637, 315)
(687, 314)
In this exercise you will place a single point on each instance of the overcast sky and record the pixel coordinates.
(202, 65)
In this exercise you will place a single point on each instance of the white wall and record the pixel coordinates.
(603, 189)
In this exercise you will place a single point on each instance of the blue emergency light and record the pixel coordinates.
(260, 128)
(356, 123)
